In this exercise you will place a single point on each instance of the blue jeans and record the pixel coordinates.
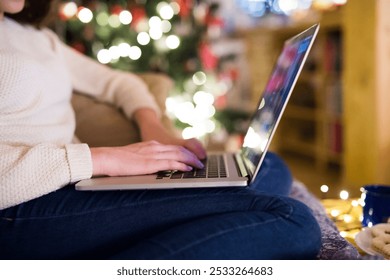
(258, 222)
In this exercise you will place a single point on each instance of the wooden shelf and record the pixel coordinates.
(362, 114)
(312, 125)
(299, 112)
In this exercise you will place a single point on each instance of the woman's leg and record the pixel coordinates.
(274, 176)
(236, 223)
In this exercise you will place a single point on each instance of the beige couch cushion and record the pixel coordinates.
(99, 124)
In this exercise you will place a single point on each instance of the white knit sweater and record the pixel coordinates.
(37, 75)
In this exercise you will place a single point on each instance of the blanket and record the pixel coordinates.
(334, 246)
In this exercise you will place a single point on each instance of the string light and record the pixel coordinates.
(344, 195)
(125, 17)
(104, 56)
(85, 15)
(199, 78)
(135, 53)
(203, 98)
(172, 42)
(165, 11)
(334, 213)
(114, 52)
(154, 22)
(324, 188)
(124, 49)
(143, 38)
(155, 33)
(69, 9)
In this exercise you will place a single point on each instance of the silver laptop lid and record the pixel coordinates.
(274, 99)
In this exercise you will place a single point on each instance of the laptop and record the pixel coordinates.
(237, 169)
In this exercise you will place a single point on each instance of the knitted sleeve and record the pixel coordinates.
(27, 172)
(123, 89)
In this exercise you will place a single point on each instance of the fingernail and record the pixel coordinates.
(189, 168)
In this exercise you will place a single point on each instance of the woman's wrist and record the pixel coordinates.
(98, 156)
(146, 117)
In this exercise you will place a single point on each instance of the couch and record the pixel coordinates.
(101, 124)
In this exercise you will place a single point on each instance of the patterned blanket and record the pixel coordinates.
(334, 246)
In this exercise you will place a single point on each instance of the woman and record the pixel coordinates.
(42, 215)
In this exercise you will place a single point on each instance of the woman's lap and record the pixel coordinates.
(187, 223)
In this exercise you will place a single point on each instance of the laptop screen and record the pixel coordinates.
(275, 98)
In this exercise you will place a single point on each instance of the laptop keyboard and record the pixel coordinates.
(214, 167)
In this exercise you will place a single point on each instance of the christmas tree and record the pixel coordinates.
(172, 37)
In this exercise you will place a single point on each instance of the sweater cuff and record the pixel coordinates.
(80, 161)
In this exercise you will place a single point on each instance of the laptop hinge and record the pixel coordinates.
(241, 165)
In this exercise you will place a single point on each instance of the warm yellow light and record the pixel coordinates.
(324, 188)
(343, 233)
(344, 195)
(199, 78)
(334, 213)
(143, 38)
(184, 111)
(347, 218)
(104, 56)
(69, 9)
(155, 33)
(85, 15)
(114, 52)
(124, 49)
(203, 98)
(203, 112)
(135, 53)
(173, 42)
(340, 2)
(355, 203)
(188, 133)
(125, 17)
(154, 22)
(166, 12)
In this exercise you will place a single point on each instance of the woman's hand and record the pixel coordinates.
(152, 129)
(142, 158)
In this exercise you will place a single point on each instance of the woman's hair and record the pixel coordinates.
(35, 12)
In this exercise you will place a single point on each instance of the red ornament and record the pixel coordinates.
(211, 19)
(185, 7)
(116, 9)
(138, 14)
(208, 59)
(221, 102)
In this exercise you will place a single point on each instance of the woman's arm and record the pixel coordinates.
(27, 172)
(151, 128)
(123, 89)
